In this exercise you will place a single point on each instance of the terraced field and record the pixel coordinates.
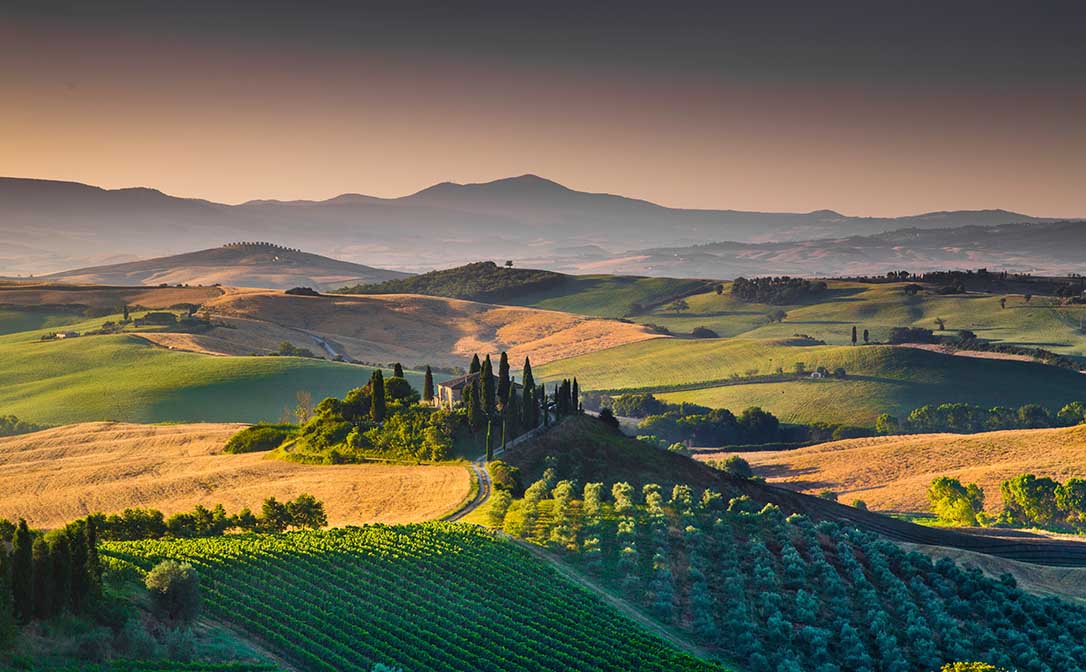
(347, 599)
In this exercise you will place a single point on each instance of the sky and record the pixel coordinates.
(868, 108)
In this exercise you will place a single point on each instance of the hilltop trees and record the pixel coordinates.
(776, 291)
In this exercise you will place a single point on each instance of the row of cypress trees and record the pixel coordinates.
(46, 575)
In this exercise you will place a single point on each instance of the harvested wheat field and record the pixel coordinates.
(39, 294)
(55, 475)
(891, 473)
(409, 328)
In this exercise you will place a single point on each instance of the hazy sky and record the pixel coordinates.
(873, 108)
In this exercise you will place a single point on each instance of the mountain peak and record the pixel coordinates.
(521, 185)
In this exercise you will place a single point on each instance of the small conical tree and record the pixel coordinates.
(505, 430)
(575, 397)
(854, 334)
(867, 336)
(474, 408)
(377, 402)
(475, 366)
(503, 379)
(22, 572)
(124, 310)
(530, 408)
(43, 575)
(512, 414)
(490, 400)
(428, 386)
(397, 370)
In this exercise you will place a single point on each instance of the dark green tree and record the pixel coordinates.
(428, 386)
(94, 565)
(43, 578)
(77, 535)
(377, 402)
(503, 379)
(867, 336)
(124, 310)
(475, 366)
(575, 397)
(7, 601)
(489, 443)
(61, 552)
(397, 370)
(474, 407)
(490, 392)
(530, 409)
(541, 393)
(22, 572)
(854, 334)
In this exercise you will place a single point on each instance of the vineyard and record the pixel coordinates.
(785, 594)
(434, 596)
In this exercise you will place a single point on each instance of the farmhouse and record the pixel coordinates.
(449, 394)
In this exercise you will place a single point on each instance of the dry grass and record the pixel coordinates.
(401, 327)
(53, 476)
(891, 473)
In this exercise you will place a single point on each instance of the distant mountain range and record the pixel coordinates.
(46, 226)
(240, 265)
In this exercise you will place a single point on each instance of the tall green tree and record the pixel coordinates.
(475, 366)
(489, 443)
(541, 394)
(530, 408)
(490, 392)
(867, 336)
(470, 397)
(575, 397)
(854, 334)
(61, 552)
(397, 370)
(94, 565)
(43, 578)
(428, 386)
(377, 403)
(22, 572)
(7, 601)
(503, 379)
(77, 534)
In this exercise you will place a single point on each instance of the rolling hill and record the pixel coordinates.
(47, 225)
(880, 378)
(238, 264)
(892, 473)
(57, 475)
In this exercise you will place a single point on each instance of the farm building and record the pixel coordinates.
(450, 392)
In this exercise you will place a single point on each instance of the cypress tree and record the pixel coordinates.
(503, 379)
(7, 601)
(542, 390)
(489, 392)
(512, 414)
(475, 366)
(94, 567)
(575, 397)
(22, 572)
(866, 336)
(530, 411)
(505, 430)
(43, 575)
(854, 334)
(471, 402)
(62, 572)
(77, 535)
(489, 447)
(397, 370)
(377, 403)
(428, 386)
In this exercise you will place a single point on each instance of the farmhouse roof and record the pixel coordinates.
(459, 382)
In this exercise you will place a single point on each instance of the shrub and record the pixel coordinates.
(175, 590)
(302, 291)
(259, 438)
(703, 332)
(735, 466)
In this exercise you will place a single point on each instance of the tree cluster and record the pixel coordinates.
(479, 281)
(776, 290)
(958, 418)
(1028, 500)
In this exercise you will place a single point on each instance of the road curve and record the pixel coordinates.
(481, 495)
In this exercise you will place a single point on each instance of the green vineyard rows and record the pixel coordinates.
(434, 596)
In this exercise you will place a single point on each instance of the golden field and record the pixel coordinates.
(56, 475)
(891, 473)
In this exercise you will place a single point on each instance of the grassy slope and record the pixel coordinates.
(124, 378)
(13, 320)
(606, 295)
(878, 308)
(881, 378)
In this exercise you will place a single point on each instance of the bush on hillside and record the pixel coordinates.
(302, 291)
(259, 438)
(704, 332)
(175, 590)
(911, 335)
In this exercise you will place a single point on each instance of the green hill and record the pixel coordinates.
(435, 596)
(123, 377)
(481, 281)
(741, 372)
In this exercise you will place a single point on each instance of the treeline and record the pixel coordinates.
(303, 512)
(1028, 500)
(667, 423)
(11, 425)
(776, 290)
(960, 418)
(479, 281)
(46, 574)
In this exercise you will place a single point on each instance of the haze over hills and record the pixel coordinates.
(241, 265)
(47, 226)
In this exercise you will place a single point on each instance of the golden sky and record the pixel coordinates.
(227, 108)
